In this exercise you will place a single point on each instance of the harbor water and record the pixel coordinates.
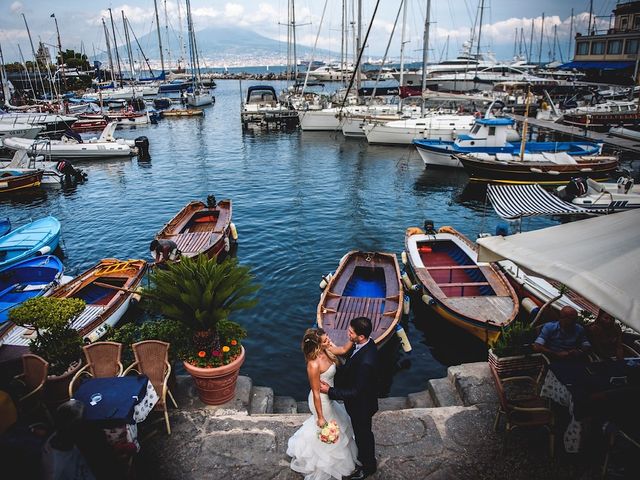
(301, 200)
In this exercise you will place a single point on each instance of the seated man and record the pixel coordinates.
(606, 336)
(563, 339)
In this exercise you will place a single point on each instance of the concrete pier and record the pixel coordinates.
(247, 438)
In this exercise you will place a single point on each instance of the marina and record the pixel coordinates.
(479, 212)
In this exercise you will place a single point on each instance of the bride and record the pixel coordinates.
(317, 460)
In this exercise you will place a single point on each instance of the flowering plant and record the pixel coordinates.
(201, 293)
(330, 433)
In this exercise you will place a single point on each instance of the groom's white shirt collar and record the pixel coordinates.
(359, 346)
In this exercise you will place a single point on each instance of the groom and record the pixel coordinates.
(359, 393)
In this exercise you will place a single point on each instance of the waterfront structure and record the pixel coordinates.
(610, 56)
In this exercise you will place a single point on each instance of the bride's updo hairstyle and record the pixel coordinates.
(311, 344)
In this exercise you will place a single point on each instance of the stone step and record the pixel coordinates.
(444, 393)
(261, 401)
(303, 407)
(420, 400)
(186, 396)
(286, 405)
(392, 403)
(473, 382)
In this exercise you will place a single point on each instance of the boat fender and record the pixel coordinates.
(414, 231)
(403, 257)
(43, 251)
(325, 280)
(446, 229)
(427, 299)
(529, 306)
(404, 340)
(227, 244)
(234, 231)
(136, 297)
(407, 281)
(406, 306)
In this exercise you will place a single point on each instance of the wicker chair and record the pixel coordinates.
(526, 409)
(152, 360)
(103, 360)
(34, 375)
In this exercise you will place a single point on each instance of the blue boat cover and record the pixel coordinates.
(597, 65)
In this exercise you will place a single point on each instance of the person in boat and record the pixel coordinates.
(357, 388)
(165, 250)
(563, 339)
(606, 336)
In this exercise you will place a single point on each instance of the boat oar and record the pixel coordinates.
(106, 285)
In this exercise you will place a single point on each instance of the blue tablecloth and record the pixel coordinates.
(119, 397)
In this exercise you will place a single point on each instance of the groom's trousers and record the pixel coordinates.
(365, 442)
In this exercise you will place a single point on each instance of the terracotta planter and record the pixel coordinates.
(216, 385)
(56, 388)
(529, 364)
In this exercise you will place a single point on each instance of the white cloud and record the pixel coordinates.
(16, 7)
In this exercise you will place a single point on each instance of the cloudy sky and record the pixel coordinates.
(80, 22)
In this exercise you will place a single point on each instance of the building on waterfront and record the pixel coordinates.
(611, 55)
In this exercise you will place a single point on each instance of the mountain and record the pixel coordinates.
(232, 46)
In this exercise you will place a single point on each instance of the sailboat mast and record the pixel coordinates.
(6, 93)
(106, 36)
(155, 6)
(24, 64)
(166, 31)
(570, 36)
(293, 34)
(128, 40)
(342, 45)
(181, 38)
(64, 77)
(402, 42)
(359, 45)
(425, 49)
(115, 45)
(479, 36)
(33, 51)
(530, 59)
(541, 36)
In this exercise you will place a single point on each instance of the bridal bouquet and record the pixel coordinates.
(330, 433)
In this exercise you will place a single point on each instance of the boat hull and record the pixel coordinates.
(15, 180)
(28, 240)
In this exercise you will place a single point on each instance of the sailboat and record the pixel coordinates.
(199, 96)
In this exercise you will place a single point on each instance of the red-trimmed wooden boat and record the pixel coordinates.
(473, 296)
(200, 229)
(87, 124)
(365, 284)
(11, 180)
(107, 288)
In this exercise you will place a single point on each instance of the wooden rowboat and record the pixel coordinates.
(10, 180)
(366, 284)
(200, 229)
(179, 112)
(473, 296)
(107, 288)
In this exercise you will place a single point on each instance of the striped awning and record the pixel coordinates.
(515, 201)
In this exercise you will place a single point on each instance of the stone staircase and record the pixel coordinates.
(464, 385)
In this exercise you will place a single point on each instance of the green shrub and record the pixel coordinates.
(516, 339)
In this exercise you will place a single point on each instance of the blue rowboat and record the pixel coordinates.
(27, 279)
(5, 227)
(36, 238)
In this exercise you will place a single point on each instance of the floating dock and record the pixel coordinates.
(606, 138)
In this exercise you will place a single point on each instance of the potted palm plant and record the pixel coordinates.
(201, 293)
(512, 353)
(55, 340)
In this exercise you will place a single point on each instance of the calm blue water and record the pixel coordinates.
(300, 202)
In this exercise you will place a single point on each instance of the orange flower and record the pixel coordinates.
(234, 342)
(202, 354)
(225, 349)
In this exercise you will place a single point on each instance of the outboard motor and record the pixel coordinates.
(70, 172)
(142, 144)
(138, 104)
(211, 201)
(429, 227)
(154, 117)
(575, 188)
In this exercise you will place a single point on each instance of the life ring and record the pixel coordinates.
(413, 231)
(447, 229)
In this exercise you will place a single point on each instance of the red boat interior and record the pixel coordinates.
(452, 269)
(203, 221)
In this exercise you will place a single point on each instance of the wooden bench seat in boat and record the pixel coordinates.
(352, 307)
(193, 242)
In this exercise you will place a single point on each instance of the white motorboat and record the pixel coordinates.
(105, 146)
(199, 98)
(434, 126)
(122, 93)
(483, 79)
(23, 130)
(332, 119)
(55, 172)
(602, 197)
(51, 123)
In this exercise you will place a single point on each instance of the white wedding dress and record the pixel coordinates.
(322, 461)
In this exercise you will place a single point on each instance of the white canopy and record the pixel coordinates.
(598, 258)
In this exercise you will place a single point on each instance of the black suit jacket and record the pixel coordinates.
(357, 382)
